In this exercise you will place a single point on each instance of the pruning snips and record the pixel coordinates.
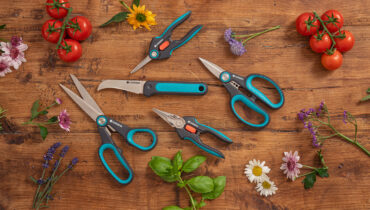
(161, 47)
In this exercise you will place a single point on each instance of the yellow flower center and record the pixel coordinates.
(257, 171)
(266, 185)
(140, 17)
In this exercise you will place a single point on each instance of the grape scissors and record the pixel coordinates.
(233, 82)
(105, 125)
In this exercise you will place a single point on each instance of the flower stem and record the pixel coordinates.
(306, 174)
(38, 189)
(259, 33)
(125, 5)
(327, 31)
(189, 193)
(66, 19)
(310, 167)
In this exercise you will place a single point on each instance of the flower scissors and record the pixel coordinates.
(232, 82)
(107, 124)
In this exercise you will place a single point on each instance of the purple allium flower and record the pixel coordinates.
(345, 116)
(236, 47)
(64, 120)
(227, 34)
(73, 162)
(4, 65)
(64, 151)
(58, 101)
(14, 52)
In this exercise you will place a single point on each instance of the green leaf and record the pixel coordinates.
(201, 184)
(177, 161)
(321, 157)
(323, 172)
(53, 119)
(33, 179)
(2, 26)
(188, 208)
(309, 180)
(43, 112)
(201, 204)
(162, 167)
(368, 90)
(135, 2)
(169, 178)
(193, 163)
(43, 132)
(365, 98)
(35, 107)
(219, 186)
(116, 19)
(172, 208)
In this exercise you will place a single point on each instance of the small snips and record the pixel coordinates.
(161, 47)
(188, 128)
(233, 82)
(104, 123)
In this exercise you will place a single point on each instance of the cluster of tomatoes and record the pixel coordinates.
(326, 36)
(55, 30)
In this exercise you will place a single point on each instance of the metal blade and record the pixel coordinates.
(213, 68)
(134, 86)
(146, 60)
(172, 119)
(93, 113)
(85, 95)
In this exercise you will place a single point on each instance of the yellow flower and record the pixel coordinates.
(141, 17)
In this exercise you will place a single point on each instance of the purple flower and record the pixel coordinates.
(16, 41)
(45, 165)
(50, 197)
(345, 116)
(49, 154)
(40, 181)
(58, 101)
(56, 164)
(14, 52)
(73, 162)
(64, 151)
(64, 120)
(319, 110)
(313, 133)
(228, 34)
(4, 65)
(236, 47)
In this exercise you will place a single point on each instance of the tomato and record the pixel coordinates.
(51, 30)
(305, 21)
(58, 12)
(80, 28)
(346, 43)
(332, 62)
(74, 50)
(333, 20)
(321, 44)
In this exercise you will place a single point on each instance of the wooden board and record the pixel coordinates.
(111, 52)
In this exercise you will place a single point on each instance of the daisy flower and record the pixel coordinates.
(64, 120)
(140, 17)
(291, 166)
(15, 51)
(266, 187)
(256, 171)
(4, 65)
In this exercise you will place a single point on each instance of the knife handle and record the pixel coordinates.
(175, 88)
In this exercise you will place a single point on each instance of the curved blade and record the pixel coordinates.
(146, 60)
(172, 119)
(134, 86)
(213, 68)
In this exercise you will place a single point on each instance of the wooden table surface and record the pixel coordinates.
(111, 52)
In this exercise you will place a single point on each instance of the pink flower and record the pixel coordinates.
(291, 166)
(58, 101)
(4, 65)
(15, 51)
(64, 120)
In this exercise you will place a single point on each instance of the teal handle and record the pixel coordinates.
(175, 23)
(216, 132)
(181, 88)
(251, 105)
(210, 150)
(131, 141)
(121, 160)
(262, 96)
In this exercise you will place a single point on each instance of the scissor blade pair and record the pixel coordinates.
(172, 119)
(213, 68)
(146, 60)
(134, 86)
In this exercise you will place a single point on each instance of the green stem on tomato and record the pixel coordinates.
(327, 31)
(66, 19)
(259, 33)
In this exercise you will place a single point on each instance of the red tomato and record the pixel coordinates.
(333, 20)
(80, 28)
(58, 12)
(332, 62)
(305, 25)
(346, 43)
(73, 53)
(320, 45)
(51, 30)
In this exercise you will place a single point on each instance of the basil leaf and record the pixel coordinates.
(169, 178)
(43, 132)
(116, 19)
(177, 161)
(201, 204)
(135, 2)
(35, 107)
(219, 186)
(323, 172)
(2, 26)
(366, 98)
(172, 208)
(53, 119)
(161, 166)
(193, 163)
(188, 208)
(309, 180)
(201, 184)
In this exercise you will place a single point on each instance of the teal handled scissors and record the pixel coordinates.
(233, 82)
(107, 124)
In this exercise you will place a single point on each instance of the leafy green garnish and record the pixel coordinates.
(309, 180)
(116, 19)
(366, 97)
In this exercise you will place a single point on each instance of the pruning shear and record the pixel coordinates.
(107, 124)
(149, 88)
(162, 46)
(188, 128)
(233, 82)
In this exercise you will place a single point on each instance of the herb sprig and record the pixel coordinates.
(121, 16)
(366, 98)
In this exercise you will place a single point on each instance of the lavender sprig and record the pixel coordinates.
(312, 120)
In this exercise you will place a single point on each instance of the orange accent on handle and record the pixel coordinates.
(164, 45)
(190, 128)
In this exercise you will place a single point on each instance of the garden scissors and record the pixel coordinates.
(162, 46)
(232, 82)
(188, 128)
(105, 124)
